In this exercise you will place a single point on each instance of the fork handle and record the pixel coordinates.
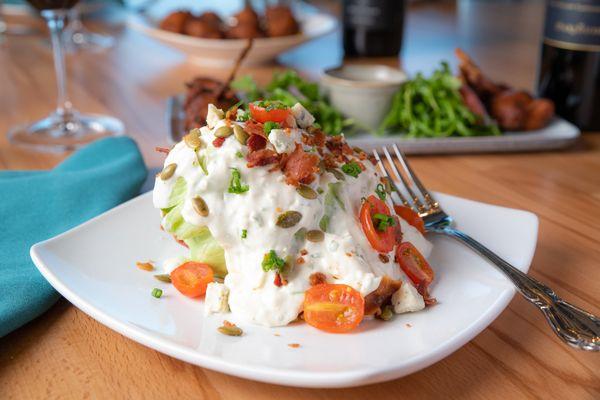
(573, 325)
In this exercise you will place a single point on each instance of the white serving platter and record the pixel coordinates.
(93, 266)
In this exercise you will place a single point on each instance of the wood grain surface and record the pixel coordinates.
(66, 354)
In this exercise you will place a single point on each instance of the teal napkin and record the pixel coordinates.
(37, 205)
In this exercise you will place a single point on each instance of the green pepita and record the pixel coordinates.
(307, 192)
(166, 278)
(315, 236)
(337, 173)
(200, 206)
(230, 330)
(192, 139)
(240, 134)
(168, 171)
(288, 219)
(223, 131)
(386, 313)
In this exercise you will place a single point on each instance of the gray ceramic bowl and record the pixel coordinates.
(363, 92)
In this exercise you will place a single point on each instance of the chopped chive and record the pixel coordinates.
(269, 125)
(273, 262)
(235, 184)
(156, 292)
(239, 154)
(382, 221)
(244, 233)
(352, 168)
(380, 191)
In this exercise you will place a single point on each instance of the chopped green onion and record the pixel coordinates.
(156, 292)
(244, 233)
(239, 154)
(243, 116)
(352, 168)
(380, 191)
(269, 125)
(272, 262)
(235, 184)
(270, 105)
(382, 221)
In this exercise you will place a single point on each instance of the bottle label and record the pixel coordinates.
(374, 14)
(573, 24)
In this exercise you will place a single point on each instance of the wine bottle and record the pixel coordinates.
(569, 70)
(372, 28)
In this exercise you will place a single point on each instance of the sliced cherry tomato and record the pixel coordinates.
(414, 265)
(333, 308)
(263, 111)
(407, 214)
(192, 278)
(381, 240)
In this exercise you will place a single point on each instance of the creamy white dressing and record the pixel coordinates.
(344, 256)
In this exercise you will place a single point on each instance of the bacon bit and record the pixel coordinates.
(303, 252)
(218, 142)
(362, 156)
(384, 258)
(278, 209)
(408, 325)
(228, 324)
(382, 295)
(253, 127)
(300, 167)
(231, 114)
(181, 242)
(371, 158)
(262, 157)
(294, 345)
(279, 280)
(317, 278)
(349, 254)
(145, 266)
(256, 142)
(162, 150)
(424, 291)
(430, 301)
(299, 260)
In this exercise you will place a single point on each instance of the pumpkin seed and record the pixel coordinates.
(192, 139)
(307, 192)
(300, 234)
(168, 171)
(145, 266)
(315, 236)
(223, 131)
(166, 278)
(240, 134)
(288, 219)
(200, 206)
(386, 313)
(337, 173)
(230, 330)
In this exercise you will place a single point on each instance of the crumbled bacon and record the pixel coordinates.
(299, 260)
(253, 127)
(279, 280)
(256, 142)
(317, 278)
(262, 157)
(315, 138)
(300, 167)
(218, 142)
(382, 295)
(384, 258)
(162, 150)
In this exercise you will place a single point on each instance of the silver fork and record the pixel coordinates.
(573, 325)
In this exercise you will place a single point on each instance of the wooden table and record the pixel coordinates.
(66, 354)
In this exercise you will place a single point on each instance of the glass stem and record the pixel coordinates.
(56, 20)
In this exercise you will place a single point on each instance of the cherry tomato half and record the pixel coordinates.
(410, 216)
(192, 278)
(382, 241)
(262, 112)
(333, 308)
(414, 265)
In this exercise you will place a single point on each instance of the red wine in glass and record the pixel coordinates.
(65, 128)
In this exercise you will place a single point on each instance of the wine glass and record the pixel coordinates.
(66, 128)
(76, 36)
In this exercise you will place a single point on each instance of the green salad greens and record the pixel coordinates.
(203, 247)
(289, 88)
(433, 107)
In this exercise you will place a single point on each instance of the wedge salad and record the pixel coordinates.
(284, 222)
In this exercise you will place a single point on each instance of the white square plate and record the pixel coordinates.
(93, 266)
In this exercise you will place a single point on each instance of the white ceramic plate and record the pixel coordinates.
(93, 266)
(224, 52)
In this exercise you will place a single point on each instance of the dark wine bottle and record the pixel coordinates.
(373, 28)
(569, 70)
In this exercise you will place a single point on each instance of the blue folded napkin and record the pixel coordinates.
(37, 205)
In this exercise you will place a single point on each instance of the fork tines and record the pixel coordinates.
(420, 199)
